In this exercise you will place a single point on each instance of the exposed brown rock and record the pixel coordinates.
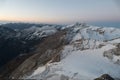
(110, 53)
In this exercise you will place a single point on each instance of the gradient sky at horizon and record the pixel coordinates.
(60, 11)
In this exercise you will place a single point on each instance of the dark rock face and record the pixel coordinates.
(11, 45)
(48, 50)
(16, 45)
(104, 77)
(7, 69)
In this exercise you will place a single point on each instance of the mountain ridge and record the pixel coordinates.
(58, 53)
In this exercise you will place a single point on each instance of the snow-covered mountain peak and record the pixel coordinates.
(76, 25)
(94, 33)
(90, 52)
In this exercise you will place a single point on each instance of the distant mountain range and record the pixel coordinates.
(59, 52)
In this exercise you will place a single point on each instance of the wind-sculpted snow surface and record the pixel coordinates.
(83, 57)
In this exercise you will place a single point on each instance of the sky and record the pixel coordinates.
(60, 11)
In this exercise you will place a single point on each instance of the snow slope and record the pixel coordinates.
(38, 32)
(87, 65)
(82, 58)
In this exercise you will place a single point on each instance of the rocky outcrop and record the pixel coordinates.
(105, 77)
(113, 52)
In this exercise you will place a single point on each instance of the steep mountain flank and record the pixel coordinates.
(48, 50)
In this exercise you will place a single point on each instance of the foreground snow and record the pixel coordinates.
(80, 65)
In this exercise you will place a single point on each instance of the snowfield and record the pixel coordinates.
(82, 58)
(81, 65)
